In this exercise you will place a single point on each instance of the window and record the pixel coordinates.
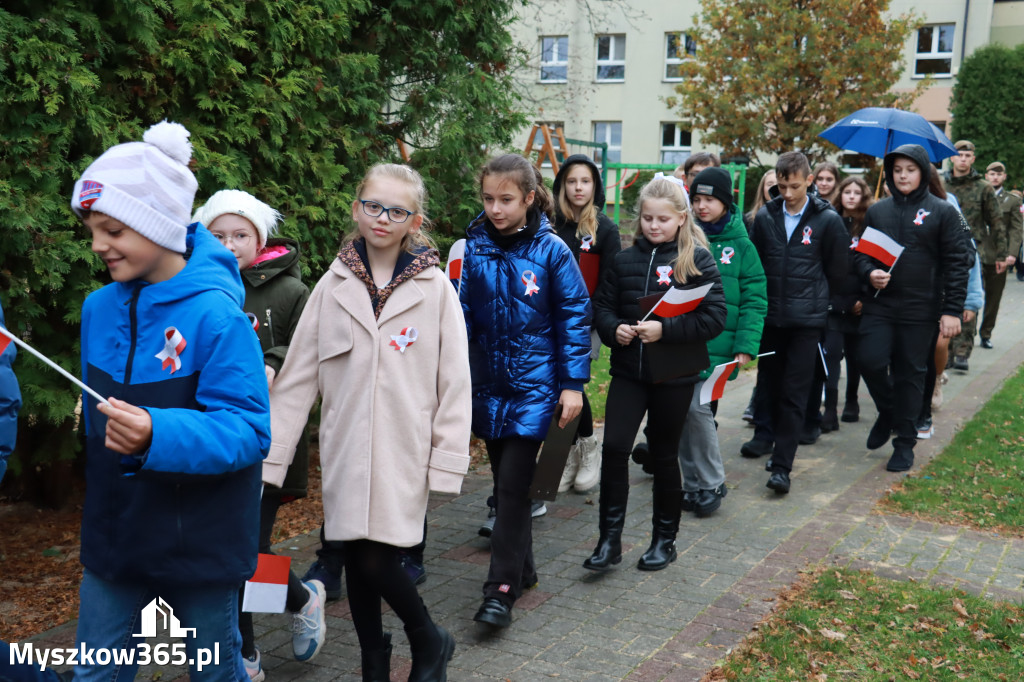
(611, 58)
(678, 48)
(934, 51)
(554, 59)
(609, 132)
(676, 143)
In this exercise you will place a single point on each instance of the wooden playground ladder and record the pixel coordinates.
(547, 151)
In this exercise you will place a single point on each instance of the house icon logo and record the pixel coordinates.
(160, 610)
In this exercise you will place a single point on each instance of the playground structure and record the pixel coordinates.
(625, 174)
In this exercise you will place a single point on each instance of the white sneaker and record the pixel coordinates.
(538, 508)
(254, 668)
(572, 465)
(589, 474)
(937, 396)
(308, 625)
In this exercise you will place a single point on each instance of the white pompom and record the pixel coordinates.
(171, 139)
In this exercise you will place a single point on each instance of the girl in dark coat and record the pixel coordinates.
(926, 287)
(669, 252)
(594, 240)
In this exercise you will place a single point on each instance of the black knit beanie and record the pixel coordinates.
(714, 182)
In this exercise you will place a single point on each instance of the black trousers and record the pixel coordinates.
(513, 461)
(836, 345)
(894, 358)
(784, 382)
(297, 594)
(666, 406)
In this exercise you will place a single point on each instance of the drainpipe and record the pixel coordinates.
(963, 38)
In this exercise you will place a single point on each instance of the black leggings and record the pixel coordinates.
(513, 461)
(297, 595)
(586, 427)
(374, 572)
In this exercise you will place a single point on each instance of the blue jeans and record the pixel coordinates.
(111, 613)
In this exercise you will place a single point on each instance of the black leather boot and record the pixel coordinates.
(432, 647)
(830, 418)
(377, 662)
(612, 510)
(667, 510)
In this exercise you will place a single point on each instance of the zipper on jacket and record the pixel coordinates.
(134, 324)
(647, 285)
(270, 326)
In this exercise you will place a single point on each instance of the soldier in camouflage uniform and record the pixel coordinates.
(1013, 216)
(980, 207)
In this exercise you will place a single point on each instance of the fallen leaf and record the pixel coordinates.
(911, 674)
(846, 594)
(958, 606)
(907, 607)
(832, 634)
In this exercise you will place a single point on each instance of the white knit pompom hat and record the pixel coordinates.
(237, 202)
(146, 185)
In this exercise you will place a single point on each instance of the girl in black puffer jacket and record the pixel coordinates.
(926, 287)
(669, 251)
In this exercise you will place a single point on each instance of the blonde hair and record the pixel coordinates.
(413, 242)
(586, 221)
(688, 236)
(759, 199)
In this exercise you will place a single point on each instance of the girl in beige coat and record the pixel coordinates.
(383, 341)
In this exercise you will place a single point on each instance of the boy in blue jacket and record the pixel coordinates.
(10, 400)
(173, 467)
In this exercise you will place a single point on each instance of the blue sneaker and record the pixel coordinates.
(308, 625)
(414, 569)
(330, 581)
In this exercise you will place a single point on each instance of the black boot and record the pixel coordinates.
(851, 411)
(667, 510)
(612, 509)
(432, 647)
(830, 418)
(377, 662)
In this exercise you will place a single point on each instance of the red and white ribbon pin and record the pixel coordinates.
(174, 344)
(853, 243)
(254, 321)
(921, 215)
(404, 339)
(530, 280)
(586, 242)
(807, 235)
(727, 254)
(664, 274)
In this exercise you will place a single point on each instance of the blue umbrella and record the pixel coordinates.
(878, 131)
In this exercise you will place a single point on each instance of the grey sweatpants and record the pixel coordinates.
(699, 455)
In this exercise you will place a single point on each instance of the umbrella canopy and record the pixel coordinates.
(878, 131)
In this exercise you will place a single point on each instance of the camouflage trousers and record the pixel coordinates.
(962, 344)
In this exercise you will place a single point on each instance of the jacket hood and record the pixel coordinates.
(918, 155)
(573, 160)
(208, 267)
(286, 264)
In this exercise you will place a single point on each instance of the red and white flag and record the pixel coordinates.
(5, 339)
(714, 387)
(879, 246)
(679, 301)
(267, 590)
(453, 268)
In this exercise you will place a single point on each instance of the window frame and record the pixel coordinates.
(612, 149)
(678, 146)
(611, 61)
(677, 61)
(561, 61)
(933, 53)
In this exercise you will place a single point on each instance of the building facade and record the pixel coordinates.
(602, 70)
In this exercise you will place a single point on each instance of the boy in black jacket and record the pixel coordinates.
(803, 246)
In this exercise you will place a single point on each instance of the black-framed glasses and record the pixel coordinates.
(374, 209)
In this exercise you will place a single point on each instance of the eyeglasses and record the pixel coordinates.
(395, 214)
(238, 238)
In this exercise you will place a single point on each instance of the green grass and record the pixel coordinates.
(597, 388)
(978, 479)
(845, 625)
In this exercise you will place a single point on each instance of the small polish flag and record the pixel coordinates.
(267, 590)
(714, 387)
(879, 246)
(5, 340)
(679, 301)
(453, 268)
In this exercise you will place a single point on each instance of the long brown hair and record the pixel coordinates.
(688, 236)
(857, 214)
(834, 170)
(525, 175)
(586, 217)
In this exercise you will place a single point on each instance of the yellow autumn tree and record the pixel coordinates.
(769, 75)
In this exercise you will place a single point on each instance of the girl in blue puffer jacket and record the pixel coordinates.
(528, 319)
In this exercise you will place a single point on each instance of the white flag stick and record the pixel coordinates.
(878, 291)
(771, 352)
(51, 363)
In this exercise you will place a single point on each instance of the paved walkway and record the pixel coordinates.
(675, 624)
